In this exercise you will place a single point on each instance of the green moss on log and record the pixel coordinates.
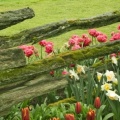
(45, 65)
(67, 100)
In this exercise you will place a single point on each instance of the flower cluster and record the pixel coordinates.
(76, 42)
(48, 46)
(29, 50)
(109, 84)
(101, 37)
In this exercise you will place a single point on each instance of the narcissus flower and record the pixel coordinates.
(110, 75)
(99, 76)
(78, 107)
(25, 113)
(112, 95)
(80, 69)
(106, 86)
(73, 74)
(69, 117)
(90, 115)
(114, 60)
(97, 102)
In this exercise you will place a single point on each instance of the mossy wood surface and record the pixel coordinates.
(10, 18)
(42, 32)
(33, 80)
(11, 58)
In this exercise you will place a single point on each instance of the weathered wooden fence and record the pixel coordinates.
(19, 81)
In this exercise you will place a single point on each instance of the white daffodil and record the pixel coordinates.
(99, 76)
(110, 75)
(112, 95)
(80, 69)
(114, 60)
(115, 81)
(73, 74)
(106, 86)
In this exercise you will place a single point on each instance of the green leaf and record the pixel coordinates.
(108, 116)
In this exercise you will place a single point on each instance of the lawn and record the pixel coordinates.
(48, 11)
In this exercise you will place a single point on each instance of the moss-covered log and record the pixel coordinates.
(53, 29)
(10, 18)
(14, 96)
(11, 58)
(30, 71)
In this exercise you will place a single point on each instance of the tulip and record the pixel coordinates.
(69, 117)
(91, 115)
(97, 102)
(54, 118)
(52, 73)
(78, 107)
(25, 113)
(43, 43)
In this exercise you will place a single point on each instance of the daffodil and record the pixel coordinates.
(73, 74)
(115, 81)
(112, 95)
(106, 86)
(80, 69)
(114, 60)
(99, 76)
(110, 75)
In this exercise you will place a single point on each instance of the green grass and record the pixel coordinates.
(48, 11)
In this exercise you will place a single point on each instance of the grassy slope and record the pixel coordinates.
(48, 11)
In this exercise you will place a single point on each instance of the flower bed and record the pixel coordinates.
(96, 94)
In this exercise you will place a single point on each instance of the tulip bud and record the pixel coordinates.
(91, 115)
(97, 102)
(69, 117)
(78, 107)
(25, 113)
(52, 73)
(54, 118)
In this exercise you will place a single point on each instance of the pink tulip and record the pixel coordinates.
(113, 55)
(48, 48)
(116, 36)
(75, 47)
(43, 43)
(118, 27)
(102, 38)
(87, 42)
(64, 72)
(92, 32)
(28, 52)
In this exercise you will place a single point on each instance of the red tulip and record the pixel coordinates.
(52, 73)
(69, 117)
(43, 43)
(54, 118)
(102, 38)
(97, 102)
(91, 115)
(25, 113)
(78, 107)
